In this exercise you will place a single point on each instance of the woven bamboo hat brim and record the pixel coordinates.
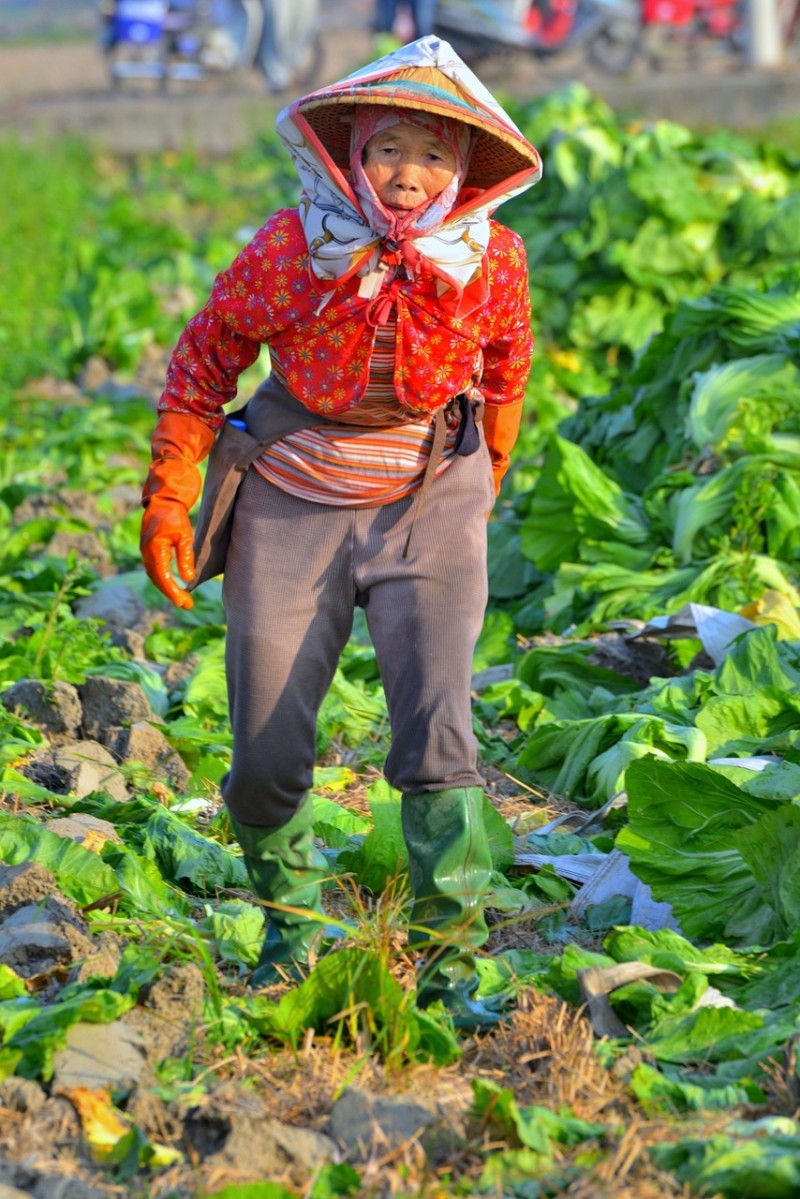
(498, 152)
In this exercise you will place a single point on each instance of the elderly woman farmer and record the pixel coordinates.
(398, 323)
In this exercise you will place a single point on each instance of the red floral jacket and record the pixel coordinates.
(321, 341)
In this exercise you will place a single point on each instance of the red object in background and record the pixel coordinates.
(668, 12)
(551, 22)
(718, 17)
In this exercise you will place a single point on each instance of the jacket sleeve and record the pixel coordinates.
(225, 337)
(508, 353)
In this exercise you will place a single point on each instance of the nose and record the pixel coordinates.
(407, 176)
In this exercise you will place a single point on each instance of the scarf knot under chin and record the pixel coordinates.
(403, 253)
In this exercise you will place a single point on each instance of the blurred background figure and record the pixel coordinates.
(166, 40)
(289, 40)
(421, 12)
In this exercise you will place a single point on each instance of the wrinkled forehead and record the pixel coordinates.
(371, 119)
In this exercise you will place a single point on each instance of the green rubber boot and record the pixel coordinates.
(285, 867)
(450, 865)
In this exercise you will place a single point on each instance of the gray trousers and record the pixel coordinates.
(295, 572)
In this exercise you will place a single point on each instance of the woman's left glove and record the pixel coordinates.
(501, 428)
(179, 442)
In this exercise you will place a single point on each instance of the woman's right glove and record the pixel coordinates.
(179, 442)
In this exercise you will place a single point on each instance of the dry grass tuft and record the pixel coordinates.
(642, 1181)
(781, 1082)
(546, 1053)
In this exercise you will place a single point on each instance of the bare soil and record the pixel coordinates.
(40, 72)
(57, 90)
(50, 71)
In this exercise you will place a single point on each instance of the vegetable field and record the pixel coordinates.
(635, 699)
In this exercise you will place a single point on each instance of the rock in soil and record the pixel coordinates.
(32, 1183)
(27, 883)
(99, 1057)
(55, 709)
(41, 929)
(83, 766)
(22, 1095)
(168, 1017)
(84, 829)
(119, 607)
(233, 1134)
(363, 1123)
(143, 743)
(110, 704)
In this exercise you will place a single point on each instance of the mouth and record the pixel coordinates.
(401, 203)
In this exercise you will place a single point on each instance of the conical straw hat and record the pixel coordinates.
(499, 151)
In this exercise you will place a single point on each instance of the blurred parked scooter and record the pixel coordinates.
(607, 32)
(194, 39)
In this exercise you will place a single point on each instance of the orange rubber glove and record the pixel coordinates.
(179, 442)
(501, 429)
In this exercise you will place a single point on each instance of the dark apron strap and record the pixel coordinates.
(468, 439)
(467, 442)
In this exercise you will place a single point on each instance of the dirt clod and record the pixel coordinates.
(111, 703)
(55, 709)
(27, 883)
(232, 1133)
(168, 1017)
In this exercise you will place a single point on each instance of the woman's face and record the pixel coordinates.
(407, 166)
